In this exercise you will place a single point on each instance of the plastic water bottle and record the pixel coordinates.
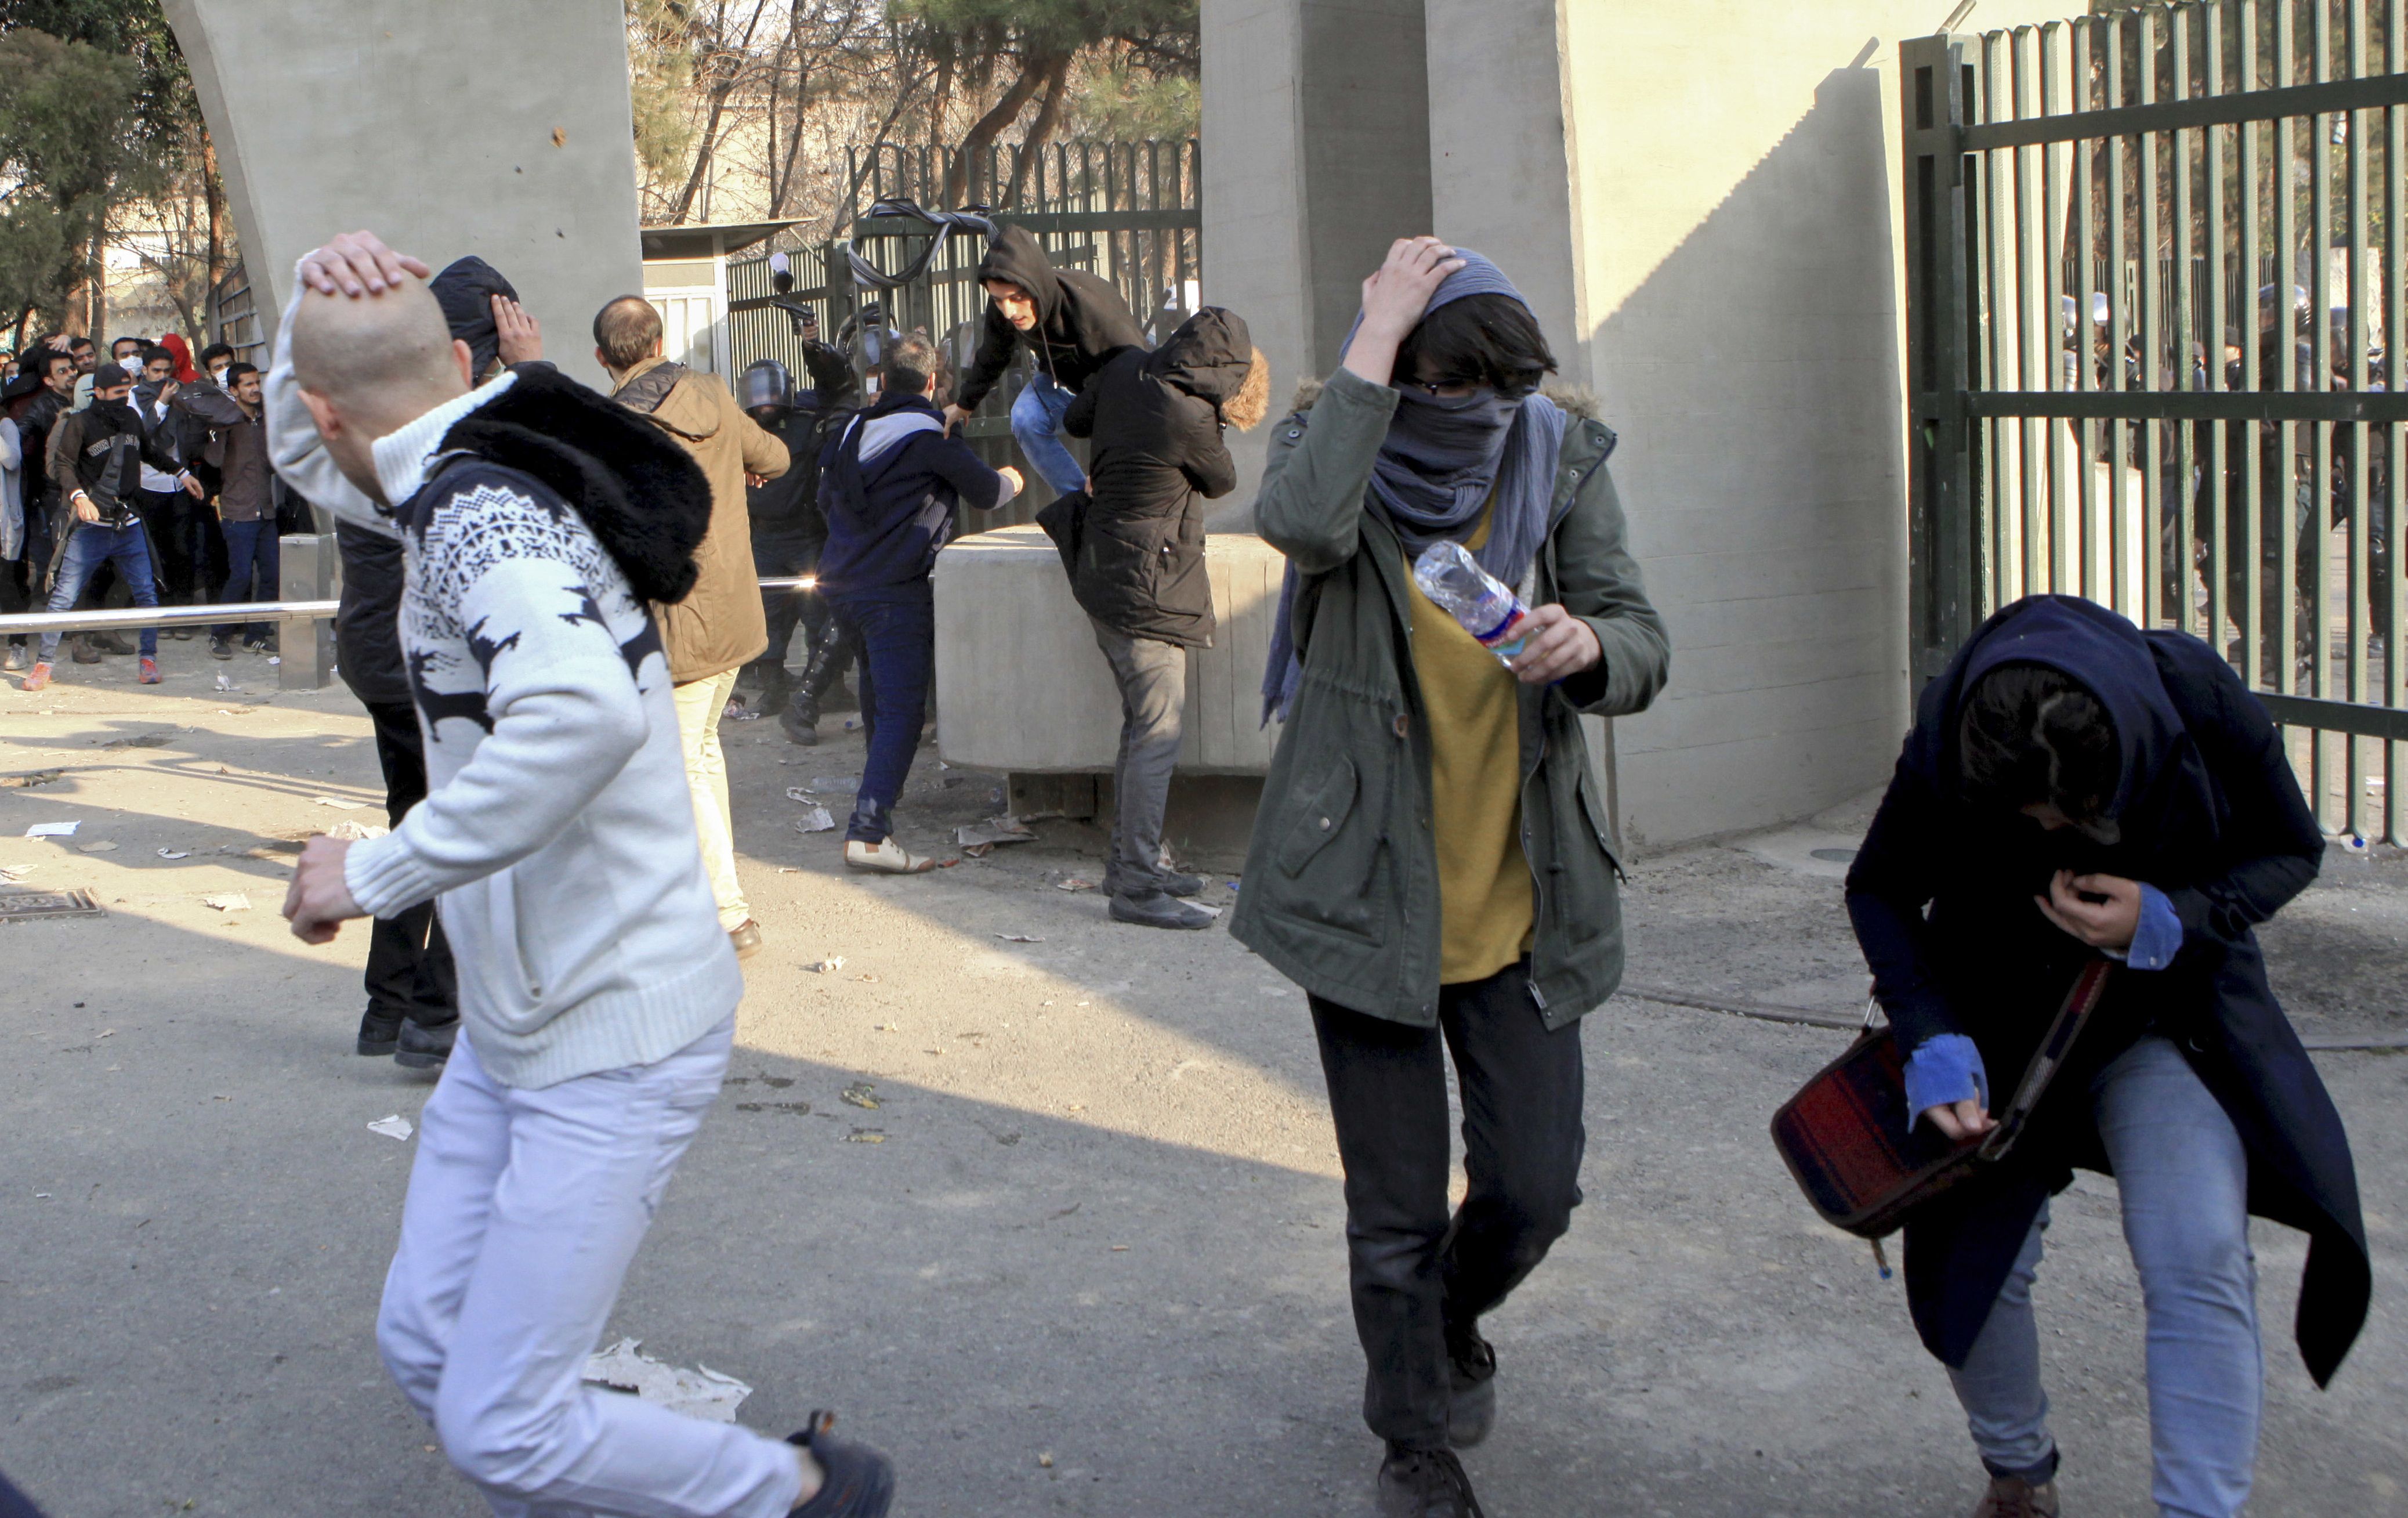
(1449, 576)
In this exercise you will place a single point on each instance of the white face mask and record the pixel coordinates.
(217, 373)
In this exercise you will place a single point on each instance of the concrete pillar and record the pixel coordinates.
(1502, 177)
(447, 126)
(1700, 199)
(1316, 156)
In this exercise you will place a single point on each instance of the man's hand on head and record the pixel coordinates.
(358, 264)
(522, 336)
(319, 901)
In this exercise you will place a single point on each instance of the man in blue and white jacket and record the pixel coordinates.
(598, 991)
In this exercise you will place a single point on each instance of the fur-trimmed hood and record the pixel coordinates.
(640, 493)
(1577, 400)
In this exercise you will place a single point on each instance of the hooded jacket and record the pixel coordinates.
(1136, 553)
(888, 484)
(2207, 811)
(718, 625)
(1079, 320)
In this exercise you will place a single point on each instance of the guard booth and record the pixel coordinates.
(2153, 270)
(685, 277)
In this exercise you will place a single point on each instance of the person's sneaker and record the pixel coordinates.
(379, 1032)
(855, 1481)
(39, 678)
(1426, 1483)
(800, 726)
(149, 672)
(85, 651)
(14, 660)
(885, 856)
(254, 645)
(220, 646)
(181, 634)
(1173, 883)
(422, 1047)
(1158, 909)
(2012, 1497)
(1471, 1370)
(746, 938)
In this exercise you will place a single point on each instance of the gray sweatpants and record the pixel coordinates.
(1152, 677)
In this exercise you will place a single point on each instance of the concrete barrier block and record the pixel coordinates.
(1022, 686)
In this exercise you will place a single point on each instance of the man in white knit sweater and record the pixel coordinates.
(598, 991)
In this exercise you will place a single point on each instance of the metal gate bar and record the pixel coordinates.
(2154, 312)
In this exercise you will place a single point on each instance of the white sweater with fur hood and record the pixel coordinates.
(557, 834)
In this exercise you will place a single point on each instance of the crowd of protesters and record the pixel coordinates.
(548, 664)
(139, 480)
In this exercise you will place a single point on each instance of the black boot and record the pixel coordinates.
(421, 1047)
(831, 654)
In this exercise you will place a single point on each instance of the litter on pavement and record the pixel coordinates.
(396, 1127)
(1005, 829)
(356, 832)
(827, 966)
(337, 803)
(53, 829)
(1018, 938)
(233, 901)
(699, 1393)
(815, 821)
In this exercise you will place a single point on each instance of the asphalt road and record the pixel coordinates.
(1093, 1262)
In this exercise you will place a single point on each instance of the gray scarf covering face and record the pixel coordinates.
(1442, 461)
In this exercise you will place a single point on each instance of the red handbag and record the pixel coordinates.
(1856, 1150)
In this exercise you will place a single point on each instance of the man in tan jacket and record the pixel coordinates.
(719, 627)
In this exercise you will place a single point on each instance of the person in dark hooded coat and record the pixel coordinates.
(1134, 550)
(1071, 322)
(2074, 787)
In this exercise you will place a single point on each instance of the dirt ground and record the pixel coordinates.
(1084, 1254)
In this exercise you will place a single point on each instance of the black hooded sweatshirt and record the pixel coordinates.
(1135, 545)
(1079, 320)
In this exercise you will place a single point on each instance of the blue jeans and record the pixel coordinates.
(254, 560)
(895, 627)
(2183, 1175)
(89, 546)
(1036, 427)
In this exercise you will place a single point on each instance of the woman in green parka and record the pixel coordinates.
(1432, 860)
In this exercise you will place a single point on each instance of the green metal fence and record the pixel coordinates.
(1129, 212)
(2153, 289)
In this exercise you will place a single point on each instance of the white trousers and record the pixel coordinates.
(699, 703)
(525, 1208)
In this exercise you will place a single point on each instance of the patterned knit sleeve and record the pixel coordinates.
(524, 648)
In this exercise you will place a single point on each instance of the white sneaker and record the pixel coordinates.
(884, 858)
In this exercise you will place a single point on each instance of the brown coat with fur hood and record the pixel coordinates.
(719, 624)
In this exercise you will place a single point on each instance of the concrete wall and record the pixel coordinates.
(1316, 147)
(1702, 198)
(1022, 686)
(447, 126)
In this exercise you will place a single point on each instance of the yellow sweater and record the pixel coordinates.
(1486, 909)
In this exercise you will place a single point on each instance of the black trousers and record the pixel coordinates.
(410, 972)
(1419, 1276)
(777, 555)
(178, 554)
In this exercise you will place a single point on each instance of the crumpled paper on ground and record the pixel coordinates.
(357, 832)
(1005, 829)
(699, 1393)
